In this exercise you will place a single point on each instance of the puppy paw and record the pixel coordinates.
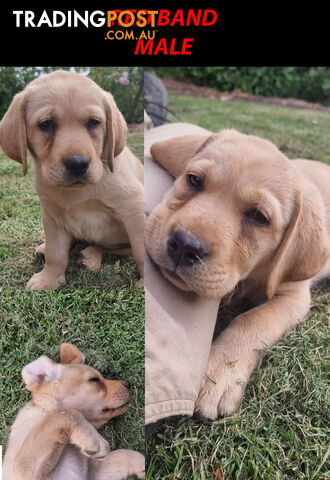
(40, 251)
(125, 462)
(138, 465)
(90, 442)
(222, 386)
(44, 281)
(91, 258)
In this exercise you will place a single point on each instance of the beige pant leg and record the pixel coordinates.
(179, 329)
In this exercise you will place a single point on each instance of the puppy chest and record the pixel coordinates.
(94, 225)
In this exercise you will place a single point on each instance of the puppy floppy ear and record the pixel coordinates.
(13, 139)
(174, 154)
(70, 354)
(305, 246)
(116, 130)
(39, 372)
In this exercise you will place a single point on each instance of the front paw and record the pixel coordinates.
(222, 386)
(90, 442)
(45, 281)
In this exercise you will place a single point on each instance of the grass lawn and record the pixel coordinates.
(297, 133)
(107, 326)
(281, 430)
(21, 231)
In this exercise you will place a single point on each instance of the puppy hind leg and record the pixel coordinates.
(91, 257)
(40, 251)
(118, 465)
(130, 209)
(134, 224)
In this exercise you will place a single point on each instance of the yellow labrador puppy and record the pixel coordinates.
(241, 220)
(54, 436)
(89, 183)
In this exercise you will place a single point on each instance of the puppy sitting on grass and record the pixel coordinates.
(89, 183)
(54, 436)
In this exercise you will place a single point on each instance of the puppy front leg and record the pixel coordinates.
(131, 214)
(235, 353)
(56, 251)
(135, 229)
(118, 465)
(45, 444)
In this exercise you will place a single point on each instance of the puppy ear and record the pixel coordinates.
(174, 154)
(70, 354)
(39, 372)
(116, 131)
(305, 247)
(13, 139)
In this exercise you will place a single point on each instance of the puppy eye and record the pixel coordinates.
(48, 125)
(257, 217)
(92, 123)
(94, 379)
(194, 181)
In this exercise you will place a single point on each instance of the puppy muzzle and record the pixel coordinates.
(76, 167)
(185, 250)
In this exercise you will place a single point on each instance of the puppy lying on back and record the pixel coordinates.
(54, 436)
(240, 221)
(89, 183)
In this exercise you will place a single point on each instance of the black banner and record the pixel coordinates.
(105, 35)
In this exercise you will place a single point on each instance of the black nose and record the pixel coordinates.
(127, 385)
(184, 249)
(76, 165)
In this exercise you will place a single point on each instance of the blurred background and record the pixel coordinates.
(125, 84)
(307, 83)
(287, 105)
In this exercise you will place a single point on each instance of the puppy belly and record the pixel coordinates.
(72, 466)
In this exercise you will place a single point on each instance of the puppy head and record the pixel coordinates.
(71, 384)
(236, 211)
(71, 126)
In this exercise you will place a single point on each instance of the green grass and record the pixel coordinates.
(21, 231)
(107, 326)
(281, 430)
(297, 133)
